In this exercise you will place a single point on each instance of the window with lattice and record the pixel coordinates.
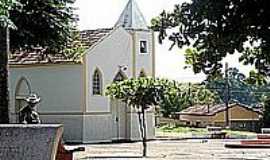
(97, 83)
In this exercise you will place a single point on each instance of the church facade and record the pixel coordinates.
(73, 92)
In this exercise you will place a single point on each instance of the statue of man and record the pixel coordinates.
(29, 115)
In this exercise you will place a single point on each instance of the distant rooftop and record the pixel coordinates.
(205, 110)
(132, 17)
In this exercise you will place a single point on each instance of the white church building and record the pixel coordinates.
(73, 92)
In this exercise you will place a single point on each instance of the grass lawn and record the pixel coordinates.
(189, 132)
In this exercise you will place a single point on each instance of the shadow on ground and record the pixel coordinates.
(119, 157)
(112, 157)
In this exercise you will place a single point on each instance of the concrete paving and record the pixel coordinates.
(172, 150)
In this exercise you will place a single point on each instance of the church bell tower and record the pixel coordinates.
(143, 46)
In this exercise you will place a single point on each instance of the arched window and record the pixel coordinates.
(97, 83)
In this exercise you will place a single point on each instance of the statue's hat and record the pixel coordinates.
(33, 98)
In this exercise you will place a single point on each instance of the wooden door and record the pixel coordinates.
(119, 116)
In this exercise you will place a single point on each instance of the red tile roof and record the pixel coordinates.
(38, 55)
(91, 37)
(205, 110)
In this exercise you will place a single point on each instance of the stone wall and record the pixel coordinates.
(25, 142)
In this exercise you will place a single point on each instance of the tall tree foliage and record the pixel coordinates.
(217, 28)
(5, 7)
(179, 96)
(5, 24)
(173, 99)
(47, 23)
(249, 91)
(256, 79)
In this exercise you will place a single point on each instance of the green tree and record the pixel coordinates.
(177, 96)
(5, 24)
(172, 99)
(75, 49)
(216, 28)
(239, 90)
(256, 79)
(202, 95)
(141, 93)
(46, 23)
(5, 7)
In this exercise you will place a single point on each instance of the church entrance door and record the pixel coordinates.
(119, 114)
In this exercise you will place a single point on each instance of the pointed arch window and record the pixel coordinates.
(97, 83)
(120, 76)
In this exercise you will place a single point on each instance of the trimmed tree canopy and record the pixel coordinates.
(141, 92)
(180, 96)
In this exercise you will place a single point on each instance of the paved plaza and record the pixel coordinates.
(172, 150)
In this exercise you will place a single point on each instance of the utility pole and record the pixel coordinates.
(227, 96)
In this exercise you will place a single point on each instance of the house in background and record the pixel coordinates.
(72, 91)
(241, 117)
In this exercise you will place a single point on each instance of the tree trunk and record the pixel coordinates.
(144, 133)
(142, 126)
(4, 97)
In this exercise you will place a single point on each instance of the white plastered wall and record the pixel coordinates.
(134, 128)
(61, 90)
(116, 49)
(144, 61)
(111, 52)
